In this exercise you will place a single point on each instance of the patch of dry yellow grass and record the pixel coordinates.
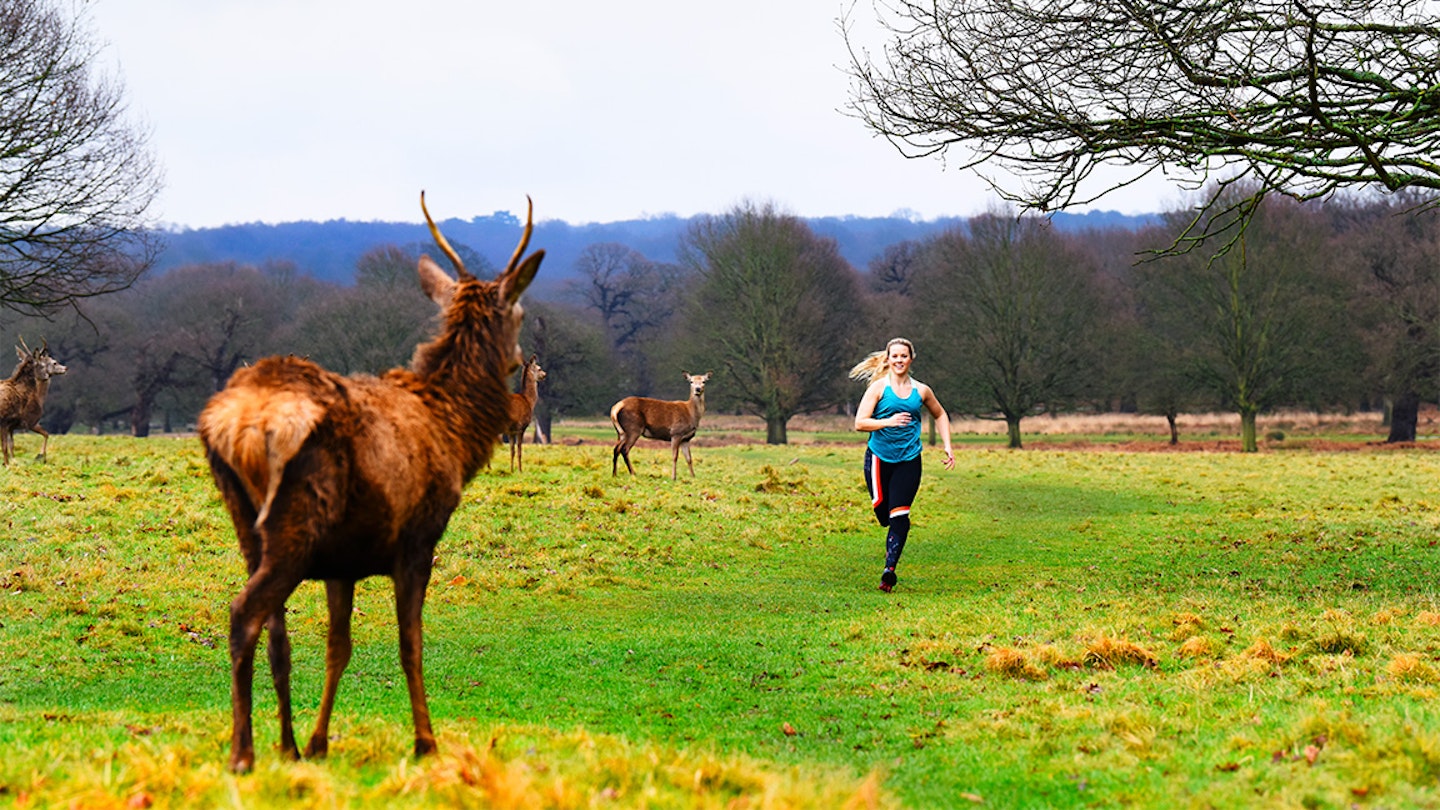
(1196, 647)
(1014, 663)
(1107, 651)
(1055, 658)
(1410, 668)
(1261, 650)
(1186, 626)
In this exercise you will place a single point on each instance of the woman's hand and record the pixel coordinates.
(900, 419)
(949, 460)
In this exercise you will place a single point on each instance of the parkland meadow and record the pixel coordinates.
(1072, 628)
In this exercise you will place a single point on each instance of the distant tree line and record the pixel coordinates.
(1324, 305)
(329, 250)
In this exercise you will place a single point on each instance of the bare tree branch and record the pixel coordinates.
(1038, 95)
(75, 177)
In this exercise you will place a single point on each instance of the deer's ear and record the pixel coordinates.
(436, 283)
(512, 284)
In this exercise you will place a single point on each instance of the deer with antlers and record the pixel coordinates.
(339, 478)
(675, 421)
(522, 410)
(22, 397)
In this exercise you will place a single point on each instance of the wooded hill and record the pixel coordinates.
(329, 250)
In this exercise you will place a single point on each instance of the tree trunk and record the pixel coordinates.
(1170, 418)
(1012, 427)
(1247, 432)
(1404, 417)
(140, 417)
(775, 430)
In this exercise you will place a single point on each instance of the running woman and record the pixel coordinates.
(890, 413)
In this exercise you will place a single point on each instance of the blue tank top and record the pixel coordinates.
(896, 444)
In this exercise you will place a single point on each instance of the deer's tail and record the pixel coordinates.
(615, 416)
(256, 432)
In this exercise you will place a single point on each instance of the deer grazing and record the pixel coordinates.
(634, 417)
(340, 478)
(522, 410)
(22, 397)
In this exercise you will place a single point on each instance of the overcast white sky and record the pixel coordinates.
(281, 110)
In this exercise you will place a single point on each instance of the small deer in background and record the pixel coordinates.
(341, 478)
(522, 410)
(676, 421)
(22, 397)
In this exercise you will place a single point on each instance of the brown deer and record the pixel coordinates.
(340, 478)
(22, 397)
(522, 410)
(634, 417)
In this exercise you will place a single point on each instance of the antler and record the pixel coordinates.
(524, 237)
(444, 245)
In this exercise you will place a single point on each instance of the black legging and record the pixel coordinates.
(892, 489)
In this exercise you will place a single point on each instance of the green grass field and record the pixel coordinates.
(1072, 629)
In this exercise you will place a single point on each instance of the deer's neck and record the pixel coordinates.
(697, 406)
(24, 375)
(462, 377)
(532, 389)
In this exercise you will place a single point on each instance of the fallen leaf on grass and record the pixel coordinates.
(971, 797)
(789, 730)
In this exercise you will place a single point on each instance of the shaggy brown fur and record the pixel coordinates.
(22, 397)
(340, 478)
(634, 417)
(522, 410)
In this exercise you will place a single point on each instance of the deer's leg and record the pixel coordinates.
(520, 449)
(410, 582)
(340, 596)
(6, 439)
(45, 444)
(263, 595)
(622, 448)
(675, 445)
(278, 648)
(686, 447)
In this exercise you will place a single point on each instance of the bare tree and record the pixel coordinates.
(1393, 254)
(224, 315)
(894, 269)
(635, 298)
(1260, 326)
(75, 176)
(386, 267)
(580, 370)
(774, 312)
(1041, 95)
(1012, 311)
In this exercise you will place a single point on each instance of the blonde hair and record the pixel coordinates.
(874, 363)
